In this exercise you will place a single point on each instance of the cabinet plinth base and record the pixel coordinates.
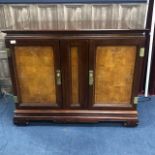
(128, 117)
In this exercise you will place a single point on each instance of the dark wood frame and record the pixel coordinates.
(65, 46)
(127, 115)
(12, 65)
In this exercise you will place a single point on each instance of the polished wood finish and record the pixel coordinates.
(114, 73)
(21, 33)
(74, 75)
(28, 63)
(35, 72)
(75, 54)
(70, 92)
(114, 70)
(91, 116)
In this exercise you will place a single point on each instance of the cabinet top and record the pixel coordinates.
(27, 36)
(76, 32)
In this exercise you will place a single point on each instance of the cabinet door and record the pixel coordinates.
(114, 72)
(36, 72)
(74, 63)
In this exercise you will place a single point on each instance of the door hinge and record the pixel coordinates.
(15, 98)
(142, 52)
(136, 100)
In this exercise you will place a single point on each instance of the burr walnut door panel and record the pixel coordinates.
(112, 72)
(74, 62)
(37, 70)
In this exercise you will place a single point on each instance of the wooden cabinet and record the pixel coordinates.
(75, 77)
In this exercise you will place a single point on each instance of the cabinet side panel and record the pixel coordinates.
(35, 72)
(114, 74)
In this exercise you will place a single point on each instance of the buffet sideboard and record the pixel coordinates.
(76, 75)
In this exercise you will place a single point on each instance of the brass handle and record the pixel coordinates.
(58, 77)
(91, 77)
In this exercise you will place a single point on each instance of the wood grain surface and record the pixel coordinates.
(35, 72)
(74, 72)
(114, 74)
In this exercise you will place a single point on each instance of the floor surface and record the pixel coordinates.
(78, 139)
